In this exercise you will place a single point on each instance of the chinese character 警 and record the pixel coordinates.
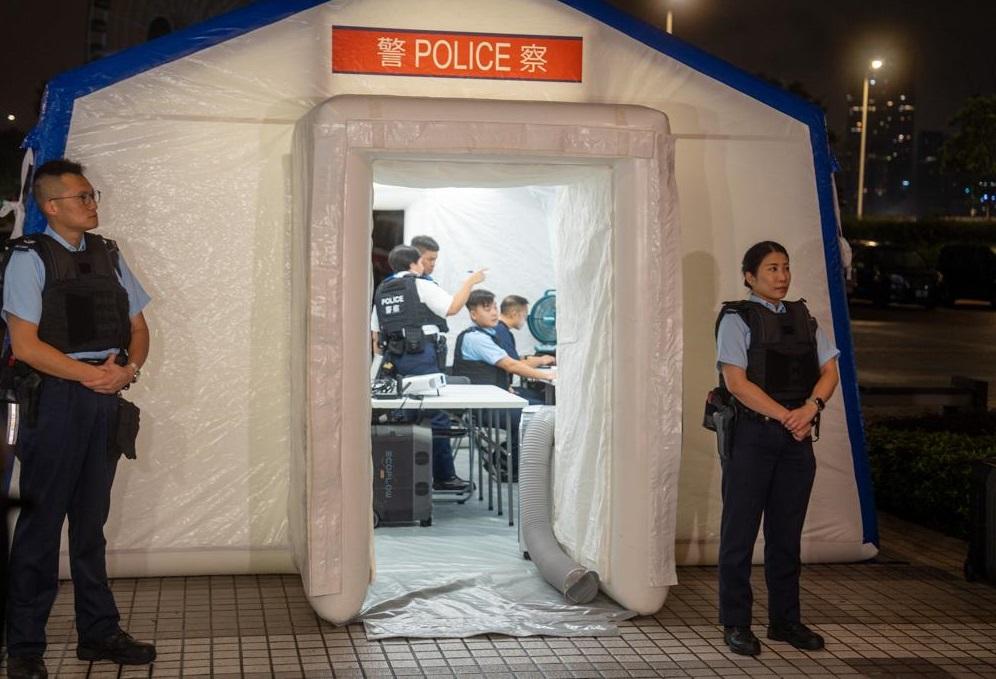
(532, 57)
(391, 51)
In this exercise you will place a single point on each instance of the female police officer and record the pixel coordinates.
(781, 369)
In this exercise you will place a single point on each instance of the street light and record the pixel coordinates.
(875, 65)
(669, 18)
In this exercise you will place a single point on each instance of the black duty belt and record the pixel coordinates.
(744, 411)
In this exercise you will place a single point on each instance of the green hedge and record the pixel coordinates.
(922, 467)
(926, 237)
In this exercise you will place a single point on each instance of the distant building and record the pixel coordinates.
(890, 169)
(114, 25)
(934, 191)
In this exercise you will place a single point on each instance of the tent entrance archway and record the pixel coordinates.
(337, 147)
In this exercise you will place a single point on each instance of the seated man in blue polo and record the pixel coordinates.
(512, 315)
(479, 357)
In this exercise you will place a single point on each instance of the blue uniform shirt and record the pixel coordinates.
(25, 279)
(733, 338)
(506, 340)
(478, 346)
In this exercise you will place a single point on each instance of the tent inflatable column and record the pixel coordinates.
(622, 524)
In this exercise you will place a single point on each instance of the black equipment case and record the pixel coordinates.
(402, 464)
(981, 562)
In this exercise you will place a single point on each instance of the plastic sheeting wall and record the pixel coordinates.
(193, 160)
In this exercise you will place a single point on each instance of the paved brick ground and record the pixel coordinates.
(909, 614)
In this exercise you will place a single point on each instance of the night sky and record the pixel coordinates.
(943, 49)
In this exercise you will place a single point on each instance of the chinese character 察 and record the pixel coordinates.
(532, 57)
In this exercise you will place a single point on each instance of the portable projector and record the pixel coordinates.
(423, 385)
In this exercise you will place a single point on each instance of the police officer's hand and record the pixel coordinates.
(803, 434)
(477, 277)
(546, 360)
(110, 378)
(800, 418)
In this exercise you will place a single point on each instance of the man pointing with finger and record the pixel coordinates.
(78, 337)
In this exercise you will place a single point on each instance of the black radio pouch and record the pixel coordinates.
(414, 341)
(395, 345)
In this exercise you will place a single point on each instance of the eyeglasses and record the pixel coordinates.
(87, 199)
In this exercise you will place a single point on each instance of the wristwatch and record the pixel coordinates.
(138, 372)
(820, 403)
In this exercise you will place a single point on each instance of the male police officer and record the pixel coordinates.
(409, 319)
(428, 250)
(479, 357)
(73, 309)
(512, 314)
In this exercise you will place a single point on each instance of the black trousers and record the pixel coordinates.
(65, 471)
(769, 473)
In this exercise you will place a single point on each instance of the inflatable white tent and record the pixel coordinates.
(238, 161)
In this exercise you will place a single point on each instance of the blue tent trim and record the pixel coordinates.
(48, 139)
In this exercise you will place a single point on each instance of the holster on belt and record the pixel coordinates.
(721, 417)
(124, 431)
(27, 386)
(441, 352)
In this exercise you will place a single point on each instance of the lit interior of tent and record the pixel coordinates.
(535, 228)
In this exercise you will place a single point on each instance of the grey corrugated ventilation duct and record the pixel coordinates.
(578, 584)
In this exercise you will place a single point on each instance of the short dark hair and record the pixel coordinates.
(54, 169)
(756, 254)
(424, 243)
(480, 298)
(402, 257)
(513, 302)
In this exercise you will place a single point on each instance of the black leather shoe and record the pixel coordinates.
(796, 634)
(741, 640)
(120, 647)
(26, 667)
(453, 483)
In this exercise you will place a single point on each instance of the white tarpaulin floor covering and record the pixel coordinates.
(464, 576)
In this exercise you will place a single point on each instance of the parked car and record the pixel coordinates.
(886, 273)
(969, 271)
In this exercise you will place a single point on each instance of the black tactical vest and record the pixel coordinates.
(478, 372)
(782, 358)
(84, 305)
(399, 309)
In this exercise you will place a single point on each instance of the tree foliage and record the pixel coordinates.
(971, 149)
